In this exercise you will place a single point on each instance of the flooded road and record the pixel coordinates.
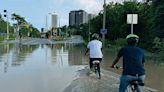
(154, 72)
(38, 68)
(52, 67)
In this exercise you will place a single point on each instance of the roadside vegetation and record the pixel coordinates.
(25, 29)
(150, 27)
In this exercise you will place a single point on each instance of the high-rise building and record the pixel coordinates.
(54, 21)
(78, 17)
(54, 24)
(72, 15)
(90, 16)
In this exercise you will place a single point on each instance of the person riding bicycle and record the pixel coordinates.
(133, 63)
(95, 50)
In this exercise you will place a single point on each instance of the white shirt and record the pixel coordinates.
(94, 47)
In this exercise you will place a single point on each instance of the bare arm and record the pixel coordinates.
(115, 61)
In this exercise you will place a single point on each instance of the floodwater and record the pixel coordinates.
(154, 71)
(38, 68)
(52, 67)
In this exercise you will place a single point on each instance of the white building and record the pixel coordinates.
(54, 21)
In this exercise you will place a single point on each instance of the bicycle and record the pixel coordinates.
(96, 68)
(134, 84)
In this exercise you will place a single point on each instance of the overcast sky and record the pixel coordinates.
(35, 11)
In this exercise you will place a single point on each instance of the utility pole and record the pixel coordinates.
(89, 30)
(104, 21)
(6, 15)
(46, 26)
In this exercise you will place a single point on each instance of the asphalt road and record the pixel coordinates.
(33, 41)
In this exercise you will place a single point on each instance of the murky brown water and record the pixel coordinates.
(51, 68)
(154, 72)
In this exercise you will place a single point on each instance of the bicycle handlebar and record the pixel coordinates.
(117, 67)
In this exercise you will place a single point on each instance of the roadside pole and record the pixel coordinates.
(104, 21)
(7, 18)
(132, 24)
(132, 19)
(89, 30)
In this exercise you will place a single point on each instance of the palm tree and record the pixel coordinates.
(18, 18)
(21, 22)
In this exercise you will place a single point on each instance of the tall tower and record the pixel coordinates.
(54, 23)
(54, 20)
(78, 17)
(72, 15)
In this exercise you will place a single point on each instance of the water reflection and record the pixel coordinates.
(51, 67)
(14, 55)
(154, 72)
(38, 68)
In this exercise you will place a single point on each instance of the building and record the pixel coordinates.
(54, 21)
(72, 18)
(90, 16)
(78, 17)
(54, 24)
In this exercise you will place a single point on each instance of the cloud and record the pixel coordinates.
(91, 6)
(63, 7)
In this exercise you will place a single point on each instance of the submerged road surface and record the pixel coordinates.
(42, 65)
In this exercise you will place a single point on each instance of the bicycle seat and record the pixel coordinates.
(96, 61)
(137, 82)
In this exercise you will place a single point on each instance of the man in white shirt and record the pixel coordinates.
(95, 49)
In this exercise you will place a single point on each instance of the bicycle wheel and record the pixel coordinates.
(131, 88)
(128, 89)
(98, 74)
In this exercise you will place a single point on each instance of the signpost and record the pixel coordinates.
(132, 19)
(104, 21)
(103, 31)
(6, 15)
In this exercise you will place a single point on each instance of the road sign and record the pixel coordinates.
(103, 31)
(132, 18)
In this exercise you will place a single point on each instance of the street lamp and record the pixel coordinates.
(6, 15)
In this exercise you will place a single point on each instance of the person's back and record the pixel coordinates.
(133, 63)
(133, 59)
(95, 49)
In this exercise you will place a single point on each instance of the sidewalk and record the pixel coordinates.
(89, 83)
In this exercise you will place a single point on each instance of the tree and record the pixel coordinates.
(26, 29)
(158, 6)
(20, 20)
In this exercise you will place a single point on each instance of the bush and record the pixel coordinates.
(120, 42)
(158, 48)
(1, 38)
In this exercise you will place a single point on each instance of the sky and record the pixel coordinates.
(35, 11)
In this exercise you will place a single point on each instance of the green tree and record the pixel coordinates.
(158, 6)
(26, 29)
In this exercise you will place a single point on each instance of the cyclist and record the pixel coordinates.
(133, 63)
(95, 50)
